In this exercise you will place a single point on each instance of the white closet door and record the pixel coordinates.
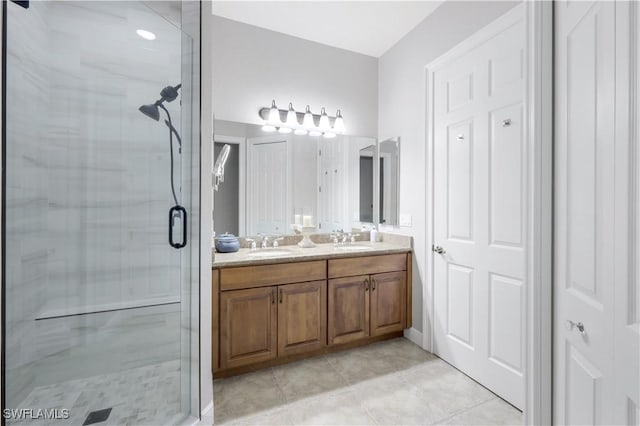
(479, 212)
(596, 356)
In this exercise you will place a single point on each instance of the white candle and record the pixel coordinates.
(298, 219)
(307, 221)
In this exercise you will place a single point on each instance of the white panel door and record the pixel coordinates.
(479, 212)
(596, 376)
(269, 182)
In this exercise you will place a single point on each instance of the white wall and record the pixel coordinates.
(401, 109)
(252, 66)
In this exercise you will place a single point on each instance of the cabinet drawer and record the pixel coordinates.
(367, 265)
(266, 275)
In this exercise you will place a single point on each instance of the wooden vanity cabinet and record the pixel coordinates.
(274, 313)
(348, 309)
(248, 326)
(302, 317)
(388, 302)
(367, 305)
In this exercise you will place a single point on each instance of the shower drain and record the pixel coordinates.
(97, 416)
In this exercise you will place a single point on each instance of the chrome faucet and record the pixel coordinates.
(252, 241)
(337, 237)
(265, 241)
(275, 241)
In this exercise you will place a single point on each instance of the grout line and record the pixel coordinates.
(462, 410)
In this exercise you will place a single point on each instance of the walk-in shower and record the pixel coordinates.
(100, 313)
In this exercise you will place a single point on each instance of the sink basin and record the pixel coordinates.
(270, 253)
(353, 247)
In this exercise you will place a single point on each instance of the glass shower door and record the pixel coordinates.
(99, 283)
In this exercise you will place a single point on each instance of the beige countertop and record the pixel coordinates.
(247, 257)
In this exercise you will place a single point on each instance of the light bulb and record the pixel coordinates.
(338, 125)
(292, 120)
(284, 130)
(329, 135)
(274, 114)
(300, 132)
(324, 121)
(315, 133)
(268, 128)
(308, 123)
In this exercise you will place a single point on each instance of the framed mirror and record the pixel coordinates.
(389, 181)
(274, 180)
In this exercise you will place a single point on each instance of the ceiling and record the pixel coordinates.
(367, 27)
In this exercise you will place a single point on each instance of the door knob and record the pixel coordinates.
(438, 249)
(578, 325)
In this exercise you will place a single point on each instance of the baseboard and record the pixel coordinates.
(414, 335)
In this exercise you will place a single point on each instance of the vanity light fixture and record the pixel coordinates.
(324, 121)
(274, 114)
(338, 124)
(301, 123)
(292, 120)
(307, 122)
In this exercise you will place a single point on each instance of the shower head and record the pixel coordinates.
(168, 94)
(150, 111)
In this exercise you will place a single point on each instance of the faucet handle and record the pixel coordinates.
(252, 241)
(353, 237)
(275, 241)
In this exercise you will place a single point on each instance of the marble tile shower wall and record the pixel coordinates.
(88, 190)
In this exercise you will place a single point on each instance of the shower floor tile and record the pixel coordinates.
(142, 396)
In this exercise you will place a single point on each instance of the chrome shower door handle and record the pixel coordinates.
(178, 211)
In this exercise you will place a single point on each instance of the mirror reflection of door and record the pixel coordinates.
(268, 185)
(388, 150)
(226, 198)
(366, 184)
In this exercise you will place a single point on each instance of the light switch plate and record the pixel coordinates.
(405, 219)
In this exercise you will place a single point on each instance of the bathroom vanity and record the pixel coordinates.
(270, 310)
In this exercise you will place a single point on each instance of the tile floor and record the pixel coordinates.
(147, 395)
(392, 382)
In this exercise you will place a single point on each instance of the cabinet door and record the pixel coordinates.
(388, 302)
(248, 326)
(302, 317)
(348, 309)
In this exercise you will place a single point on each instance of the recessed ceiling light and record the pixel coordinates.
(147, 35)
